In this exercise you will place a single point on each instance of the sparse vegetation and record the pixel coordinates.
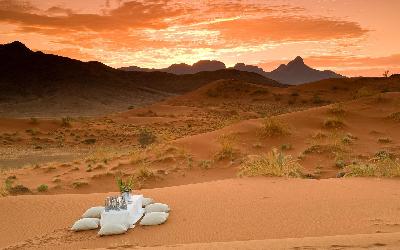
(316, 99)
(79, 184)
(285, 147)
(381, 165)
(333, 123)
(34, 121)
(384, 140)
(89, 141)
(42, 188)
(275, 163)
(146, 138)
(395, 116)
(227, 151)
(66, 122)
(272, 127)
(337, 110)
(19, 189)
(205, 164)
(365, 92)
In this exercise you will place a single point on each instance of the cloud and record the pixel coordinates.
(156, 32)
(287, 28)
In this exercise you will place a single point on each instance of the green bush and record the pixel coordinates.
(146, 138)
(42, 188)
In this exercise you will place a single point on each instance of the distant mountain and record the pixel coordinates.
(294, 73)
(38, 84)
(183, 68)
(297, 72)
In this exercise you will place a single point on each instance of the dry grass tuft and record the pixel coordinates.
(275, 163)
(272, 128)
(384, 140)
(382, 165)
(227, 151)
(334, 123)
(79, 184)
(337, 110)
(205, 164)
(395, 116)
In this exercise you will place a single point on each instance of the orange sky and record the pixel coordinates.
(352, 37)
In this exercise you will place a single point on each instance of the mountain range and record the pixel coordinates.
(33, 82)
(294, 73)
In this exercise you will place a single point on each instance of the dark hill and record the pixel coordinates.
(34, 83)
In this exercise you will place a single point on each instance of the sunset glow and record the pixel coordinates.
(351, 37)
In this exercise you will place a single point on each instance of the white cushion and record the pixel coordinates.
(115, 218)
(157, 207)
(154, 218)
(93, 212)
(111, 229)
(86, 224)
(147, 201)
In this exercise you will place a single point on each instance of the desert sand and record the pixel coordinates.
(202, 140)
(233, 213)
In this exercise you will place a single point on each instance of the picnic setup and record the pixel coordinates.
(122, 212)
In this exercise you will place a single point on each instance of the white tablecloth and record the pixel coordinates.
(129, 217)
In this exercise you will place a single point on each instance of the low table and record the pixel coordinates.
(129, 216)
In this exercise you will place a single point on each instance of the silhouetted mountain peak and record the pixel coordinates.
(15, 48)
(298, 61)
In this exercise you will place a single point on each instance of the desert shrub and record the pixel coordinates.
(275, 163)
(66, 122)
(32, 131)
(33, 121)
(18, 189)
(316, 99)
(286, 147)
(205, 164)
(227, 150)
(146, 138)
(272, 127)
(379, 166)
(395, 116)
(365, 92)
(294, 93)
(42, 188)
(337, 110)
(348, 138)
(333, 123)
(384, 140)
(79, 184)
(89, 141)
(319, 135)
(144, 173)
(340, 163)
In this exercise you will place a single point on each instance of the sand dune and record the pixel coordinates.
(220, 211)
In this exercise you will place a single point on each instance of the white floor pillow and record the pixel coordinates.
(111, 229)
(93, 212)
(147, 201)
(154, 218)
(157, 207)
(86, 224)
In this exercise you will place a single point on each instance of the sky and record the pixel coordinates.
(351, 37)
